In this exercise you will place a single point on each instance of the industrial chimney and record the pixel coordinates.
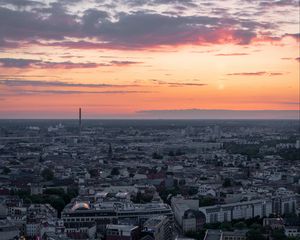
(79, 120)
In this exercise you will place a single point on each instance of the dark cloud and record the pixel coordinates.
(135, 30)
(32, 63)
(139, 30)
(36, 83)
(23, 25)
(135, 3)
(279, 3)
(22, 3)
(55, 25)
(68, 92)
(123, 63)
(262, 73)
(17, 63)
(296, 36)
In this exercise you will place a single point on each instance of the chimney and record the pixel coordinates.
(79, 120)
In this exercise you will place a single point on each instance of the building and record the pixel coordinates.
(8, 230)
(234, 235)
(212, 234)
(122, 232)
(292, 231)
(160, 228)
(36, 189)
(284, 203)
(186, 214)
(239, 210)
(274, 223)
(80, 216)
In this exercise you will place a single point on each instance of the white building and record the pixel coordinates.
(239, 210)
(186, 213)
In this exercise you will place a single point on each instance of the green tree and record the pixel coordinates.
(240, 225)
(5, 170)
(278, 234)
(47, 174)
(206, 201)
(226, 226)
(227, 183)
(199, 235)
(255, 234)
(115, 171)
(156, 155)
(54, 191)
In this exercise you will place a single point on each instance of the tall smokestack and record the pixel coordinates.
(79, 120)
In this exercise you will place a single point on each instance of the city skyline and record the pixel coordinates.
(149, 59)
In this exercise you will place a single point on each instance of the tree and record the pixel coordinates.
(227, 183)
(240, 225)
(278, 234)
(179, 152)
(199, 235)
(47, 174)
(131, 175)
(54, 191)
(5, 170)
(226, 226)
(206, 201)
(255, 234)
(171, 153)
(94, 172)
(155, 155)
(192, 191)
(115, 171)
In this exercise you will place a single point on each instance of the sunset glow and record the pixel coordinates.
(120, 58)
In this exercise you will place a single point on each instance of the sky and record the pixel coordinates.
(149, 58)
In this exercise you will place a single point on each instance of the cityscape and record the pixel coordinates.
(149, 120)
(150, 179)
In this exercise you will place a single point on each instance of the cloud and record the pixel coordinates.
(247, 74)
(123, 63)
(295, 36)
(126, 31)
(20, 25)
(218, 114)
(175, 84)
(276, 74)
(22, 3)
(68, 92)
(279, 3)
(262, 73)
(291, 58)
(187, 3)
(58, 24)
(32, 63)
(231, 54)
(141, 29)
(179, 84)
(31, 83)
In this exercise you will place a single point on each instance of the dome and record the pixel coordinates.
(80, 206)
